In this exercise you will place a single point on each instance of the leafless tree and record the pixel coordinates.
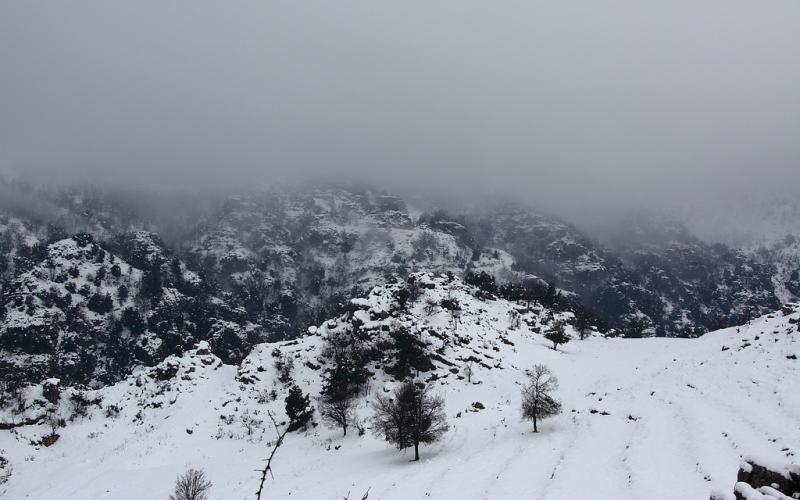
(430, 307)
(455, 318)
(514, 319)
(250, 423)
(54, 420)
(537, 400)
(468, 371)
(411, 417)
(337, 409)
(192, 485)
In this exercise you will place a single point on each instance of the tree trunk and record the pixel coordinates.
(416, 451)
(535, 429)
(344, 428)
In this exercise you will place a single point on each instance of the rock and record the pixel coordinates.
(167, 370)
(202, 348)
(51, 391)
(50, 440)
(756, 480)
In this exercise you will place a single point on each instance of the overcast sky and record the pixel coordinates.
(565, 100)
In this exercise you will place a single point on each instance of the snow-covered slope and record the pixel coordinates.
(284, 257)
(88, 312)
(646, 418)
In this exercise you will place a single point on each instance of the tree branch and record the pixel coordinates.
(268, 467)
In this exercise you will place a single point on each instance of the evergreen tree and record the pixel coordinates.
(583, 322)
(298, 408)
(557, 335)
(101, 304)
(116, 271)
(483, 281)
(552, 296)
(410, 354)
(512, 291)
(151, 287)
(123, 293)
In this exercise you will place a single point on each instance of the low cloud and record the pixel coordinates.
(573, 105)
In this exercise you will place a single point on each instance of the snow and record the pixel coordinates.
(673, 418)
(764, 493)
(778, 466)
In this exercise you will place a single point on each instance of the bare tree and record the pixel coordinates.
(537, 400)
(411, 417)
(514, 319)
(250, 423)
(192, 485)
(54, 420)
(468, 370)
(337, 408)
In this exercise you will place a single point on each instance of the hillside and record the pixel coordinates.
(89, 312)
(291, 255)
(643, 418)
(287, 256)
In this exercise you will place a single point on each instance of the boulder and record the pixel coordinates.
(758, 480)
(51, 391)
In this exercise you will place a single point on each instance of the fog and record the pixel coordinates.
(576, 105)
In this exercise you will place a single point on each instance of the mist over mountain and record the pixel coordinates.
(267, 263)
(578, 108)
(252, 246)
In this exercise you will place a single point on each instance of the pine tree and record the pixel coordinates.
(557, 335)
(552, 295)
(298, 408)
(583, 322)
(151, 287)
(409, 354)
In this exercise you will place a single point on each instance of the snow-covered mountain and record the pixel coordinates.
(293, 254)
(267, 264)
(88, 312)
(642, 418)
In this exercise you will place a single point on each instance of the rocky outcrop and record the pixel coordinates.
(759, 481)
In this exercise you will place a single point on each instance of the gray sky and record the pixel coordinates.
(563, 101)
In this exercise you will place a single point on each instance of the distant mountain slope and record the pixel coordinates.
(88, 313)
(291, 256)
(643, 418)
(272, 262)
(294, 254)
